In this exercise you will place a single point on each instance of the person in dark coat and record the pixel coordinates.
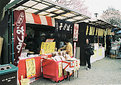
(87, 54)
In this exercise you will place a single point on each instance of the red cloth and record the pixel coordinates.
(22, 68)
(38, 66)
(49, 56)
(50, 70)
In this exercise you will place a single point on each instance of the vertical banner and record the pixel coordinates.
(75, 35)
(19, 32)
(87, 29)
(74, 49)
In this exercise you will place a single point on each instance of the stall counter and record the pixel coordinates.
(98, 54)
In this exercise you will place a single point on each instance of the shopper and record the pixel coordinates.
(108, 46)
(68, 48)
(87, 54)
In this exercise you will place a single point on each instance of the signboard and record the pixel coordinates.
(30, 67)
(60, 69)
(47, 47)
(49, 40)
(19, 32)
(75, 35)
(63, 26)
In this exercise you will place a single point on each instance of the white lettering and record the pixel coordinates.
(61, 25)
(57, 26)
(68, 27)
(64, 28)
(20, 41)
(21, 31)
(20, 19)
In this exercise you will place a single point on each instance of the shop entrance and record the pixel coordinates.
(36, 34)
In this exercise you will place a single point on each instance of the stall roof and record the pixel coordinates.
(101, 24)
(47, 8)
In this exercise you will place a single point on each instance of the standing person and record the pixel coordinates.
(68, 48)
(108, 46)
(87, 54)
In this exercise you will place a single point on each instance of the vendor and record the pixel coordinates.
(68, 48)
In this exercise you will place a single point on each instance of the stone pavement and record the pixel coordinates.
(104, 72)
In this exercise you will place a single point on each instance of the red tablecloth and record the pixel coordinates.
(22, 68)
(51, 70)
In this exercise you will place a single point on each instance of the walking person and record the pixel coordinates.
(87, 54)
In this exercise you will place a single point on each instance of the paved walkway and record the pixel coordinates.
(104, 72)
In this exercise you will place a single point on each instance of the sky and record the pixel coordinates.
(98, 6)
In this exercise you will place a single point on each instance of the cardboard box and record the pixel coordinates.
(113, 56)
(1, 43)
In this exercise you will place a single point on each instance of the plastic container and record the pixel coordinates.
(8, 74)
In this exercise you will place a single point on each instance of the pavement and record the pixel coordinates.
(104, 72)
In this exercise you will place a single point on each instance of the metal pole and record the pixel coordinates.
(12, 38)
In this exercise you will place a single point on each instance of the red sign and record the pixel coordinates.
(75, 35)
(49, 40)
(19, 32)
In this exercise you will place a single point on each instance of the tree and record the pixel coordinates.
(112, 16)
(77, 5)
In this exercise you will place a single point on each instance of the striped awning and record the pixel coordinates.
(37, 19)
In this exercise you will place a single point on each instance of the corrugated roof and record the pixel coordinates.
(47, 8)
(101, 24)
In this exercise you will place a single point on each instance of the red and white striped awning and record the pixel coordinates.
(37, 19)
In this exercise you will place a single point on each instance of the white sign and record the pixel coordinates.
(75, 35)
(74, 49)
